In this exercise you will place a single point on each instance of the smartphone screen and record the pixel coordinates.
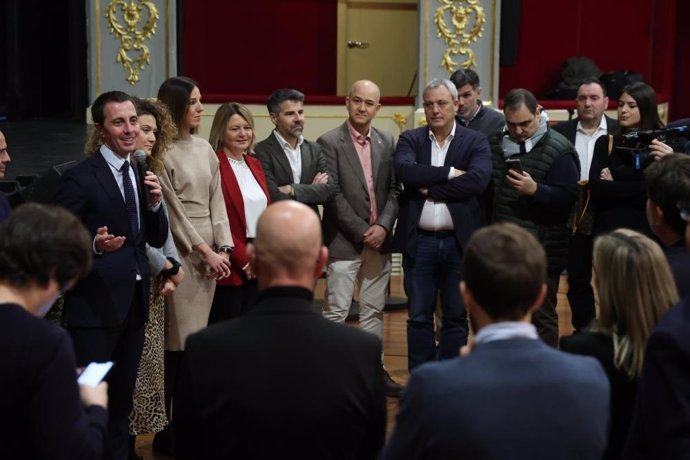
(514, 164)
(94, 373)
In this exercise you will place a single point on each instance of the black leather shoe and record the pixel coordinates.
(393, 388)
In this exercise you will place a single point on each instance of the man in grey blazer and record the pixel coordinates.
(358, 222)
(295, 167)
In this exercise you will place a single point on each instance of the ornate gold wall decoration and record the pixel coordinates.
(132, 34)
(459, 37)
(400, 120)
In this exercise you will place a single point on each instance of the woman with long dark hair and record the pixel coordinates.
(198, 220)
(616, 176)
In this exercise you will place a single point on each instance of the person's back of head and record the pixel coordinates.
(505, 271)
(40, 244)
(635, 288)
(287, 249)
(668, 183)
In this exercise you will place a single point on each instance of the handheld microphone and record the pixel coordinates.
(140, 159)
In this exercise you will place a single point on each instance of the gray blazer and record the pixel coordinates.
(278, 172)
(346, 217)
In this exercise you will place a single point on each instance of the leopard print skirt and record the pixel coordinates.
(148, 413)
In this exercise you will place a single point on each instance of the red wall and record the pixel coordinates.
(639, 35)
(258, 46)
(680, 98)
(248, 48)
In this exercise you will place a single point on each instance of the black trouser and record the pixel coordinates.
(545, 319)
(123, 345)
(233, 301)
(580, 293)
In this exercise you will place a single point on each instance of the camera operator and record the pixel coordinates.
(616, 177)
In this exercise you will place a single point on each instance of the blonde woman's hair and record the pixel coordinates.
(220, 124)
(635, 287)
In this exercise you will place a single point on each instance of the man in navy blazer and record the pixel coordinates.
(661, 423)
(106, 311)
(511, 396)
(444, 169)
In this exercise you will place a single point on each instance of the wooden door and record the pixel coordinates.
(378, 41)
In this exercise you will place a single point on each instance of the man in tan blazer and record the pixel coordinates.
(295, 167)
(358, 221)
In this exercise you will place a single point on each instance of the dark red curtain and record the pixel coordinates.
(638, 35)
(258, 46)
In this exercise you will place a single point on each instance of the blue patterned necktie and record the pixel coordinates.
(130, 198)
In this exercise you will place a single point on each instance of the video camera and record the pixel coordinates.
(638, 142)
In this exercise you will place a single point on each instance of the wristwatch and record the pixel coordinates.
(226, 249)
(172, 271)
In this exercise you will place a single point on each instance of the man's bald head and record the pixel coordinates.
(363, 104)
(287, 248)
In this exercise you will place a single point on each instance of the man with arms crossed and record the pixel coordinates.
(444, 169)
(295, 167)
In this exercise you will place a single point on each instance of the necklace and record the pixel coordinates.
(236, 162)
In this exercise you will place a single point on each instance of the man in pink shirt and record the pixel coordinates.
(358, 221)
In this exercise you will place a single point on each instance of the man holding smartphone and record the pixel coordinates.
(535, 172)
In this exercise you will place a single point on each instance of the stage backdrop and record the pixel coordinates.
(255, 46)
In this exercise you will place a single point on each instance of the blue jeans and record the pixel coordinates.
(435, 269)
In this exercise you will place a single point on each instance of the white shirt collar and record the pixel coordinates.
(506, 330)
(448, 138)
(285, 144)
(602, 125)
(112, 158)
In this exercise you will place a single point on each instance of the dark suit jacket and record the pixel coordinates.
(281, 382)
(468, 151)
(42, 414)
(623, 390)
(278, 172)
(234, 204)
(103, 297)
(569, 128)
(346, 217)
(4, 207)
(661, 423)
(514, 398)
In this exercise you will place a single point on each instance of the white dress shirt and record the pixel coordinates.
(435, 214)
(255, 201)
(294, 156)
(584, 145)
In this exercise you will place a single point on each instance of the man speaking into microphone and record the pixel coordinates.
(106, 311)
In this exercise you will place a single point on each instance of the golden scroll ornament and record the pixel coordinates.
(132, 34)
(467, 26)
